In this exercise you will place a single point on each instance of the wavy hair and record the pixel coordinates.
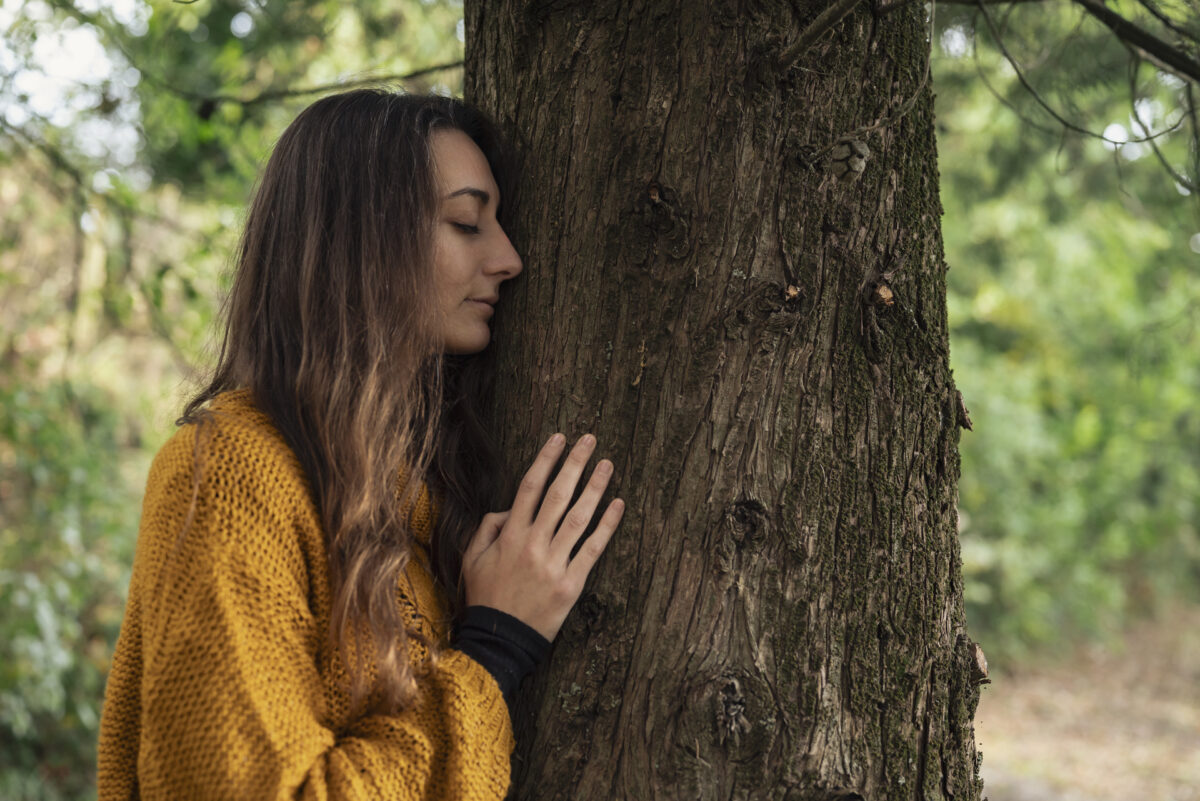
(331, 323)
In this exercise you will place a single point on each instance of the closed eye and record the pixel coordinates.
(466, 228)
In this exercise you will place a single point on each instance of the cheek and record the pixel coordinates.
(445, 279)
(452, 274)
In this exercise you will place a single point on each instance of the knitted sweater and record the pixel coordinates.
(223, 684)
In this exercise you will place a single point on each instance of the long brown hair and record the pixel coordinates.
(331, 324)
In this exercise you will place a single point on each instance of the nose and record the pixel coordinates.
(504, 261)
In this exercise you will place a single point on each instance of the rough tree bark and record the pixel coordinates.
(761, 345)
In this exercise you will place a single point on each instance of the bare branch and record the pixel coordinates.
(904, 108)
(279, 94)
(1164, 55)
(1194, 118)
(208, 103)
(1167, 22)
(58, 160)
(1004, 101)
(824, 21)
(1041, 101)
(1137, 119)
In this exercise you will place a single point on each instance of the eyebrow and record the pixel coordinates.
(480, 195)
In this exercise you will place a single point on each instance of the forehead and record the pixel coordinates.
(458, 162)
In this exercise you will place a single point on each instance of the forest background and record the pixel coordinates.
(130, 138)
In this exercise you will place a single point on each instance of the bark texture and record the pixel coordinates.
(761, 346)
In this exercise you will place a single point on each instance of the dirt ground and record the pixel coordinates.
(1102, 725)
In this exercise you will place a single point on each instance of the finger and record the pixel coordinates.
(486, 534)
(534, 480)
(563, 487)
(576, 521)
(594, 545)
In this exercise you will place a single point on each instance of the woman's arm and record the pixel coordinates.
(216, 689)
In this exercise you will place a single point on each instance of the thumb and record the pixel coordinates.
(489, 529)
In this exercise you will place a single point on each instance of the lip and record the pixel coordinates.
(483, 304)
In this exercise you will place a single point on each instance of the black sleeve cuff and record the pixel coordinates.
(506, 647)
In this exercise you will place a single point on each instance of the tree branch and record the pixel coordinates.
(1187, 184)
(988, 2)
(1040, 100)
(1195, 120)
(1004, 101)
(278, 94)
(908, 105)
(825, 20)
(1167, 22)
(208, 103)
(1156, 50)
(58, 160)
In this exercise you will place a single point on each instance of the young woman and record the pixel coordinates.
(321, 605)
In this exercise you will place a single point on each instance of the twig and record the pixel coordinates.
(277, 94)
(905, 107)
(1168, 57)
(824, 21)
(1038, 98)
(1137, 118)
(1169, 23)
(1004, 101)
(211, 101)
(1195, 120)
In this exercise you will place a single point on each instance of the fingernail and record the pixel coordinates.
(557, 439)
(604, 468)
(619, 505)
(587, 439)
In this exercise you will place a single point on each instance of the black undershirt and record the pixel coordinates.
(505, 646)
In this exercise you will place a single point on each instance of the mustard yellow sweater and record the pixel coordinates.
(223, 685)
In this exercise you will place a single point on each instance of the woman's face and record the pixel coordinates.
(472, 254)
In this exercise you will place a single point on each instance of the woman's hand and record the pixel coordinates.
(520, 563)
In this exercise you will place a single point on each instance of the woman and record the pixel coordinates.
(320, 605)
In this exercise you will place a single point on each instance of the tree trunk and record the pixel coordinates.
(752, 320)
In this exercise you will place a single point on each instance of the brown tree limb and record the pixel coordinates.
(278, 94)
(888, 119)
(1167, 22)
(824, 21)
(1164, 55)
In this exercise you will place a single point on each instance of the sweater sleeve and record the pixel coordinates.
(225, 655)
(507, 647)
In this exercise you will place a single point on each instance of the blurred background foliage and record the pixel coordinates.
(130, 137)
(1073, 291)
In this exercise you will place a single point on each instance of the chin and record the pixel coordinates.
(465, 346)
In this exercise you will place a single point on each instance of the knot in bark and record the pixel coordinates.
(662, 214)
(748, 521)
(731, 712)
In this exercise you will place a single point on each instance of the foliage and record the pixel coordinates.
(1072, 296)
(121, 189)
(67, 485)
